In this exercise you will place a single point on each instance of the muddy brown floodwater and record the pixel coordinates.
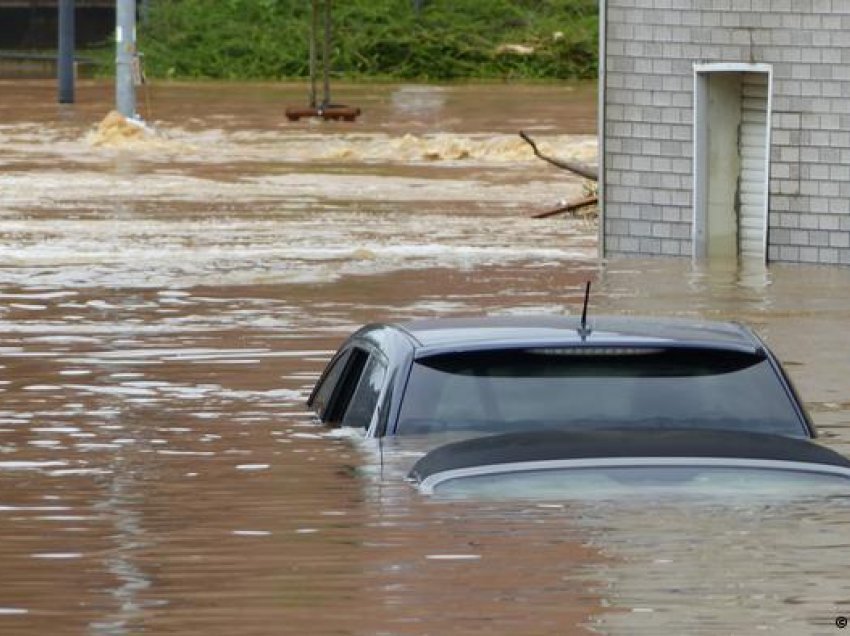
(167, 302)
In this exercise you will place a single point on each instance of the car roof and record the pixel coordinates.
(435, 335)
(552, 445)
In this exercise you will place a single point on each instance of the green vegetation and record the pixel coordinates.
(392, 39)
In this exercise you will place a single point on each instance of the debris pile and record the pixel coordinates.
(119, 132)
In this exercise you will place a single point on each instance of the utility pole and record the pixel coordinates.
(65, 63)
(326, 58)
(314, 34)
(125, 58)
(321, 11)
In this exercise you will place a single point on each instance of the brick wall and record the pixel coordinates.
(651, 47)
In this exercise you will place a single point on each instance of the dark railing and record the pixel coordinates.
(48, 4)
(36, 56)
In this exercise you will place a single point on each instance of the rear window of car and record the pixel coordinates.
(497, 391)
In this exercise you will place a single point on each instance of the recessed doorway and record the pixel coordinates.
(732, 106)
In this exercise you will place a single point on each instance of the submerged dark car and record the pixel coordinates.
(625, 463)
(501, 374)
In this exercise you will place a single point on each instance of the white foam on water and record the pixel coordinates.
(71, 472)
(230, 361)
(28, 307)
(111, 390)
(57, 555)
(283, 244)
(251, 533)
(33, 508)
(63, 340)
(38, 295)
(91, 446)
(308, 436)
(29, 465)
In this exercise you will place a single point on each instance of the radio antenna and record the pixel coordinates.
(583, 330)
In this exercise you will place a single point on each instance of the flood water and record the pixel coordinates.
(167, 303)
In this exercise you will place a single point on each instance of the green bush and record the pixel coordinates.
(443, 40)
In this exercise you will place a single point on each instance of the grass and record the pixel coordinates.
(374, 39)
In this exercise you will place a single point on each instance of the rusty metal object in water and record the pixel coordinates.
(345, 113)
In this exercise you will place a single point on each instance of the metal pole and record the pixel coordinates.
(145, 11)
(314, 27)
(326, 56)
(66, 52)
(125, 58)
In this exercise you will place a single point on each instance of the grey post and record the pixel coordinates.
(125, 44)
(314, 34)
(326, 57)
(65, 64)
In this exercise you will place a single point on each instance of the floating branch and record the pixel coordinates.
(572, 206)
(576, 167)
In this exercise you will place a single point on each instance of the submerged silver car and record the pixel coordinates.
(631, 463)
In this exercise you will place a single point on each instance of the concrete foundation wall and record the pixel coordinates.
(36, 27)
(651, 48)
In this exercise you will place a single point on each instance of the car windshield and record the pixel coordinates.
(509, 390)
(647, 481)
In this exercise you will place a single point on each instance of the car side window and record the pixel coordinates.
(324, 392)
(365, 398)
(345, 387)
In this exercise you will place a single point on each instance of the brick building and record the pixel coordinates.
(725, 128)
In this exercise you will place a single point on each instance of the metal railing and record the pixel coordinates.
(37, 56)
(52, 4)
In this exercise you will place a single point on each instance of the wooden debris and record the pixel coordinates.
(572, 206)
(581, 169)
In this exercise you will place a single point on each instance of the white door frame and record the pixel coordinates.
(700, 137)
